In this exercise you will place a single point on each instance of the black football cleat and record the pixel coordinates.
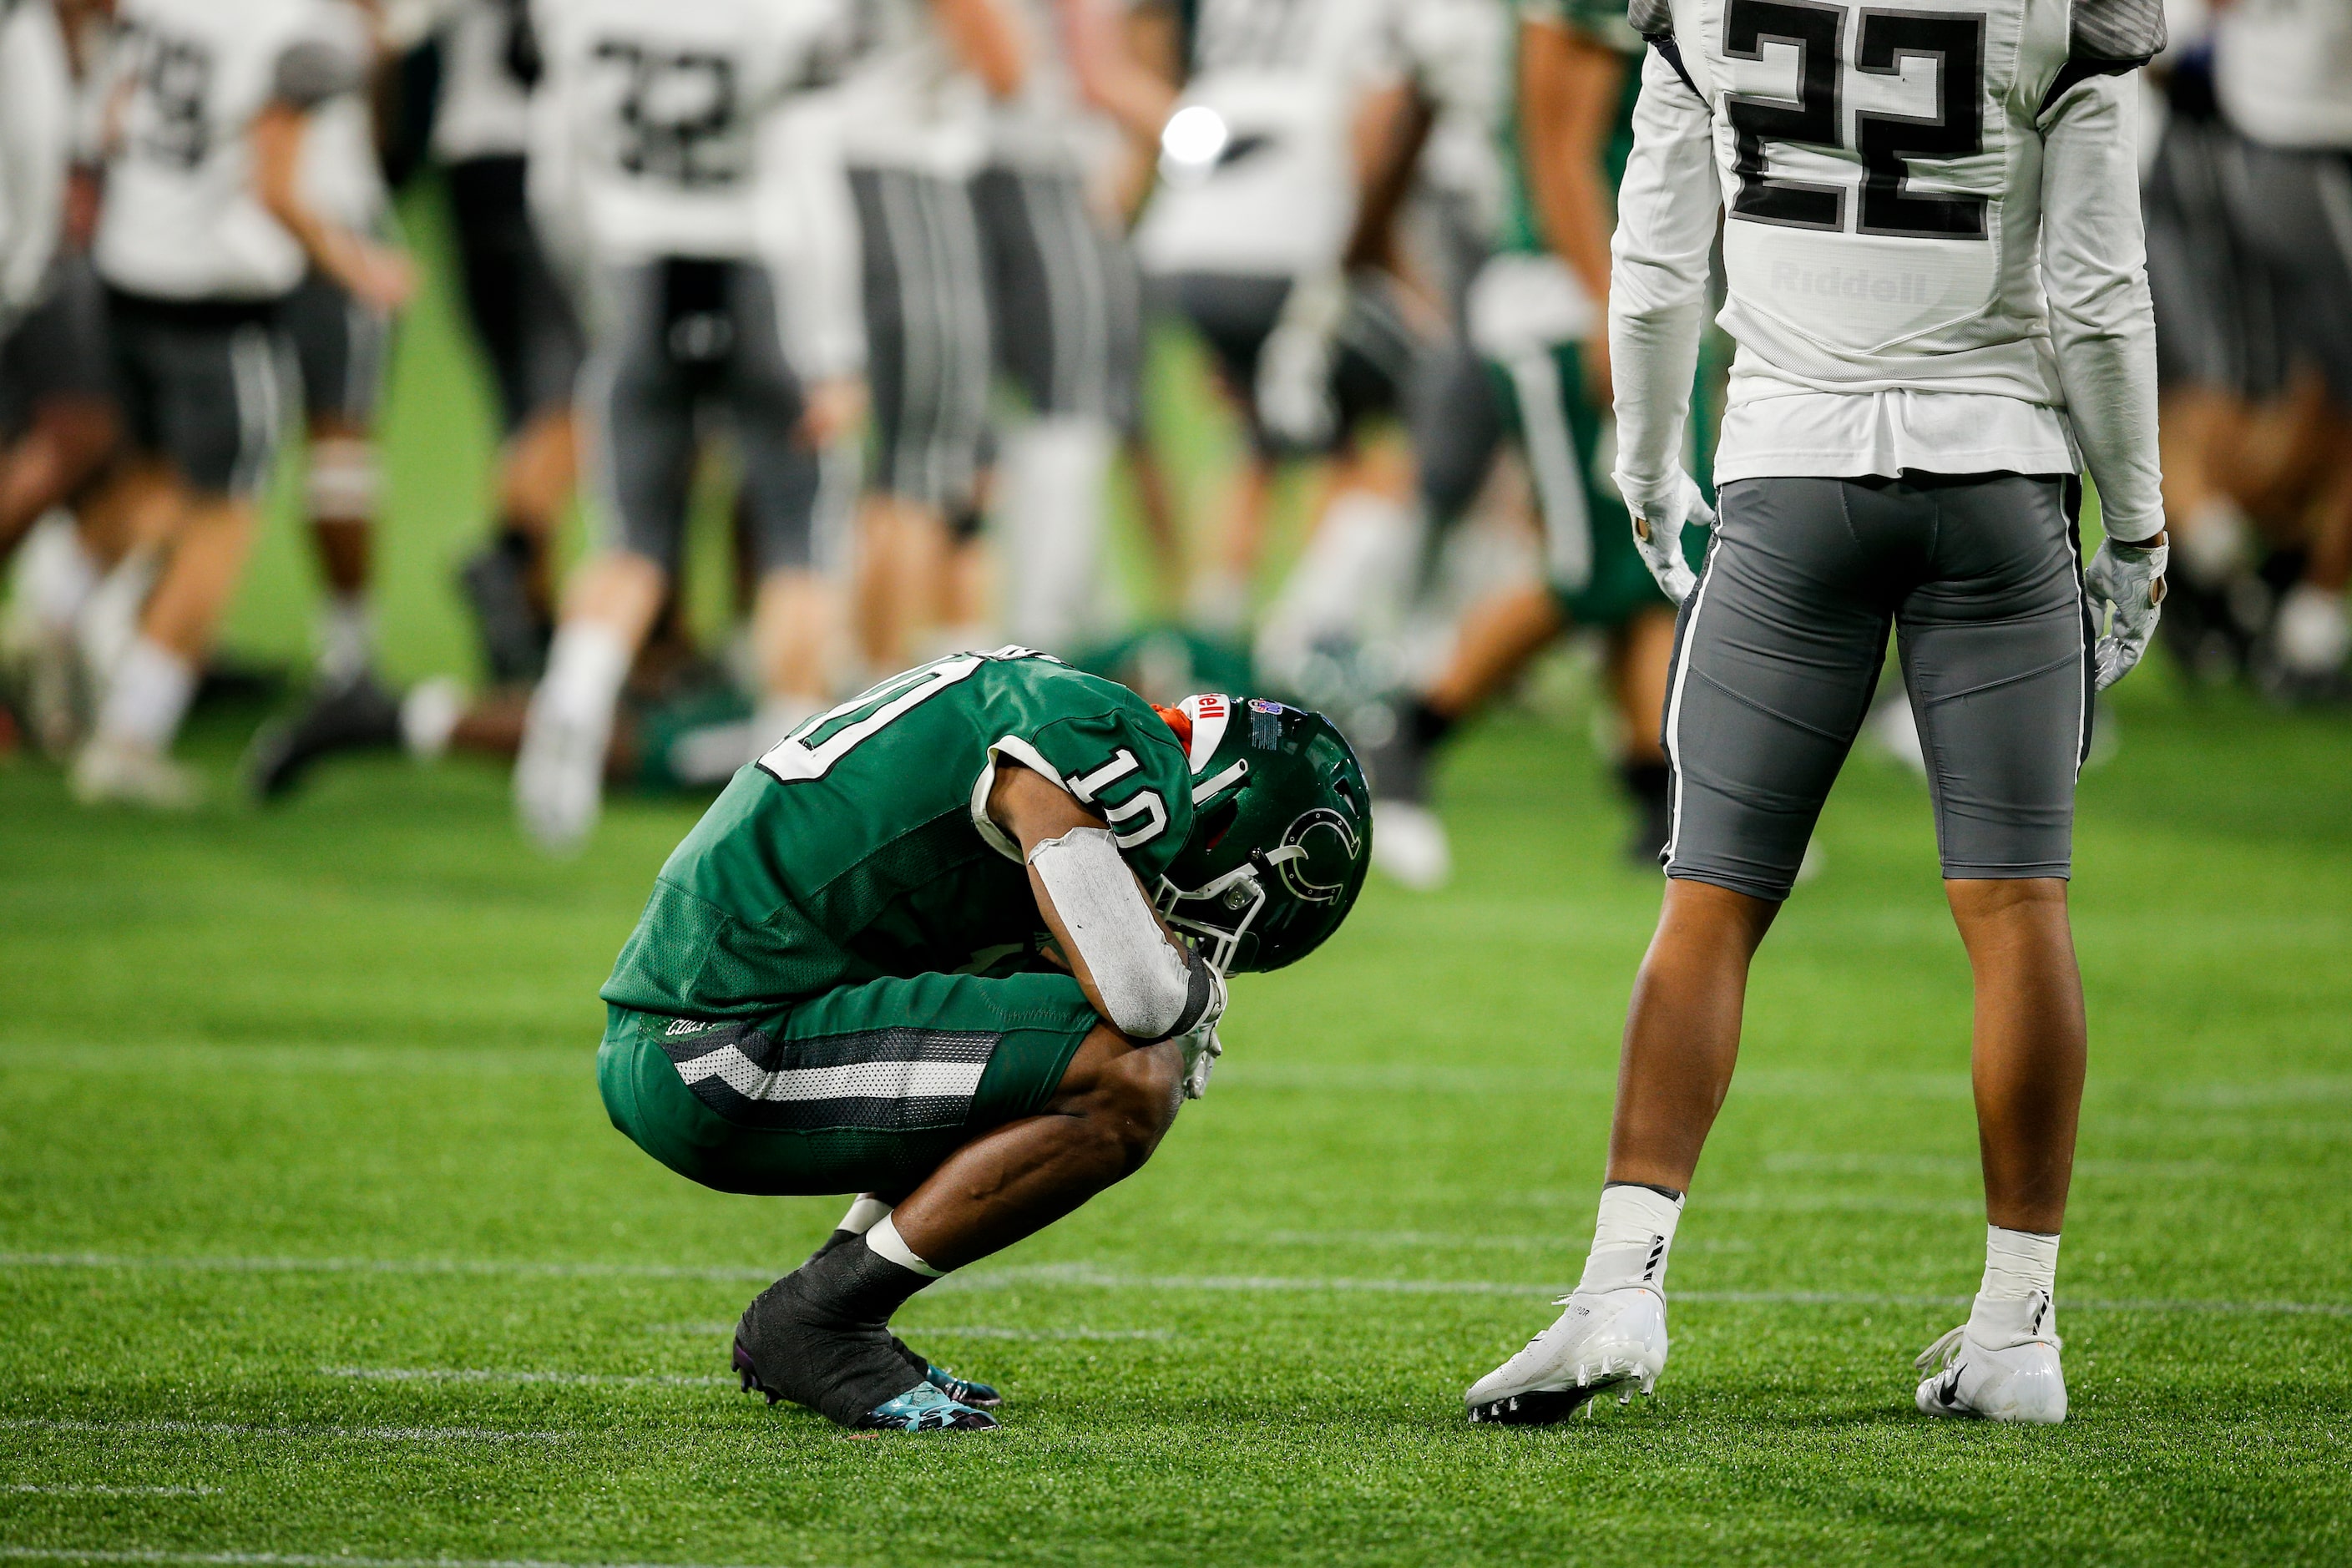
(856, 1374)
(354, 715)
(515, 635)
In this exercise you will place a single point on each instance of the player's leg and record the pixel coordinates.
(784, 491)
(340, 349)
(928, 346)
(994, 1105)
(639, 408)
(1055, 298)
(214, 405)
(525, 325)
(1996, 655)
(1777, 653)
(57, 399)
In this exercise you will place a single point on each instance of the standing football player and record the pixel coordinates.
(340, 346)
(205, 232)
(1245, 240)
(652, 122)
(1932, 239)
(961, 945)
(522, 317)
(1066, 330)
(1534, 314)
(915, 127)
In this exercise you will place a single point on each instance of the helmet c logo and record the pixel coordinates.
(1295, 868)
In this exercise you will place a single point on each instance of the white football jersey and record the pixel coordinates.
(36, 141)
(1045, 125)
(1458, 52)
(341, 178)
(484, 109)
(1258, 171)
(657, 111)
(1898, 182)
(907, 101)
(181, 220)
(2283, 70)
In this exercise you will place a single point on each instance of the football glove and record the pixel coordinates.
(2130, 578)
(1202, 1049)
(1659, 514)
(1293, 370)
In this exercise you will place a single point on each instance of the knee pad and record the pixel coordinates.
(344, 478)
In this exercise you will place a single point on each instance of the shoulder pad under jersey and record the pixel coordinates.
(2119, 30)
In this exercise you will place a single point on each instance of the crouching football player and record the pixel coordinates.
(961, 945)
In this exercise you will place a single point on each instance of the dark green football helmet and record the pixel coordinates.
(1281, 833)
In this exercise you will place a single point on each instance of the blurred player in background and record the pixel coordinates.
(2282, 72)
(521, 317)
(1914, 379)
(205, 231)
(341, 346)
(961, 945)
(58, 416)
(649, 148)
(1246, 240)
(1066, 327)
(1554, 100)
(35, 148)
(915, 130)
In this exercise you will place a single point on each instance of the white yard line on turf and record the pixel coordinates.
(308, 1430)
(290, 1559)
(491, 1374)
(970, 1332)
(1082, 1273)
(76, 1488)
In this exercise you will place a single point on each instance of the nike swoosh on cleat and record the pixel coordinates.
(1948, 1393)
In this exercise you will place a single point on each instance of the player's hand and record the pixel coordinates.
(373, 274)
(1293, 369)
(2130, 578)
(1201, 1048)
(1659, 514)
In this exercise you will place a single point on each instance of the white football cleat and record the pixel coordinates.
(2001, 1364)
(1606, 1340)
(1409, 843)
(559, 779)
(116, 772)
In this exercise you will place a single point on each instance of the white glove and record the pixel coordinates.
(2130, 577)
(1202, 1049)
(1659, 513)
(1293, 369)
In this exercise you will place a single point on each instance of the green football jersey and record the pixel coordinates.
(1605, 22)
(860, 847)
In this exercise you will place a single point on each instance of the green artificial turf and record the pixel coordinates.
(315, 1243)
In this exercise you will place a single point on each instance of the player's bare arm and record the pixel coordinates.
(375, 273)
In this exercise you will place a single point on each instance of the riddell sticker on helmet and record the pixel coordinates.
(1209, 713)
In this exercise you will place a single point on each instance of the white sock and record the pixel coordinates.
(55, 575)
(585, 667)
(1632, 1238)
(884, 1242)
(428, 717)
(346, 636)
(147, 697)
(2213, 548)
(1056, 472)
(864, 1214)
(2018, 1264)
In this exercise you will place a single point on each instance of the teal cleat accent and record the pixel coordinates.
(926, 1409)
